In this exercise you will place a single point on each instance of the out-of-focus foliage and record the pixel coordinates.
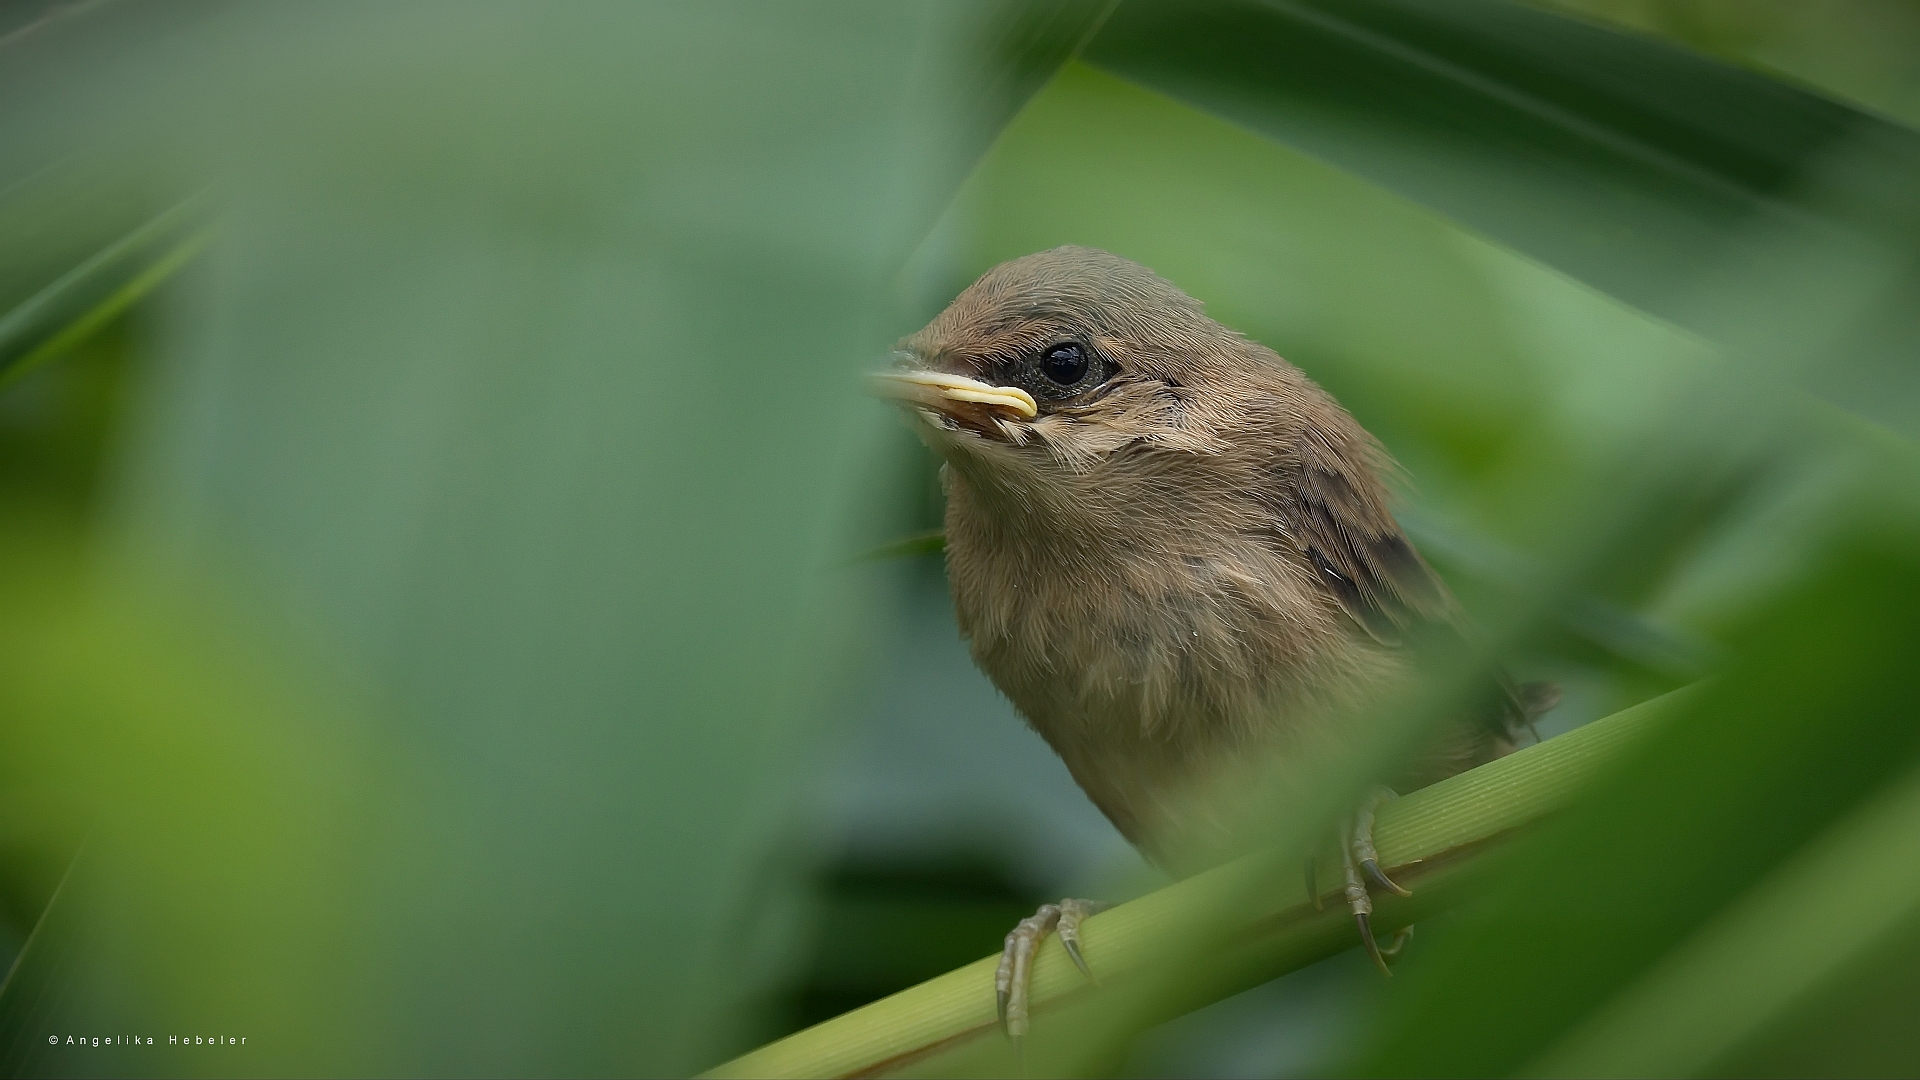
(89, 198)
(1807, 725)
(1857, 50)
(1628, 164)
(436, 672)
(512, 404)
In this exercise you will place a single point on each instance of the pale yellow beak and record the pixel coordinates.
(938, 389)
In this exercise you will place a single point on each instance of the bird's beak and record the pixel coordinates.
(944, 392)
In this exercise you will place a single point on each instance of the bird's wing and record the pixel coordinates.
(1361, 556)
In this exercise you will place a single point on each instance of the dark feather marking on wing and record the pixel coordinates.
(1364, 559)
(1368, 564)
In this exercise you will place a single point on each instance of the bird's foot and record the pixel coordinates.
(1360, 865)
(1016, 959)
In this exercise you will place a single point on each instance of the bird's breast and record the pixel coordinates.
(1145, 664)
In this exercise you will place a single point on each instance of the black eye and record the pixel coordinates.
(1065, 364)
(1061, 372)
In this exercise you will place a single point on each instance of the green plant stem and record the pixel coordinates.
(1431, 839)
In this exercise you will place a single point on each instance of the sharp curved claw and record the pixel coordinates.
(1000, 1005)
(1079, 961)
(1379, 877)
(1373, 947)
(1313, 885)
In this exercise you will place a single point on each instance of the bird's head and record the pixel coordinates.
(1076, 380)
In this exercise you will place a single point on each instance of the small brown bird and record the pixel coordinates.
(1172, 551)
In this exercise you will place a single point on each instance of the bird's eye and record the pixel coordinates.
(1062, 371)
(1064, 364)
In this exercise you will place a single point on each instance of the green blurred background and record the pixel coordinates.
(433, 473)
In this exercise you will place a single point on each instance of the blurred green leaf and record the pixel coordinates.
(99, 289)
(1825, 910)
(91, 204)
(1856, 50)
(514, 314)
(35, 980)
(1808, 720)
(231, 799)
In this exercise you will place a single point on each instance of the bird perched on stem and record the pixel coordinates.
(1174, 554)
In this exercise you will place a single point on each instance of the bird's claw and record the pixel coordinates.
(1362, 848)
(1015, 973)
(1079, 960)
(1379, 877)
(1382, 958)
(1360, 864)
(1372, 945)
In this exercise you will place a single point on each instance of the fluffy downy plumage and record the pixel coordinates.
(1184, 559)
